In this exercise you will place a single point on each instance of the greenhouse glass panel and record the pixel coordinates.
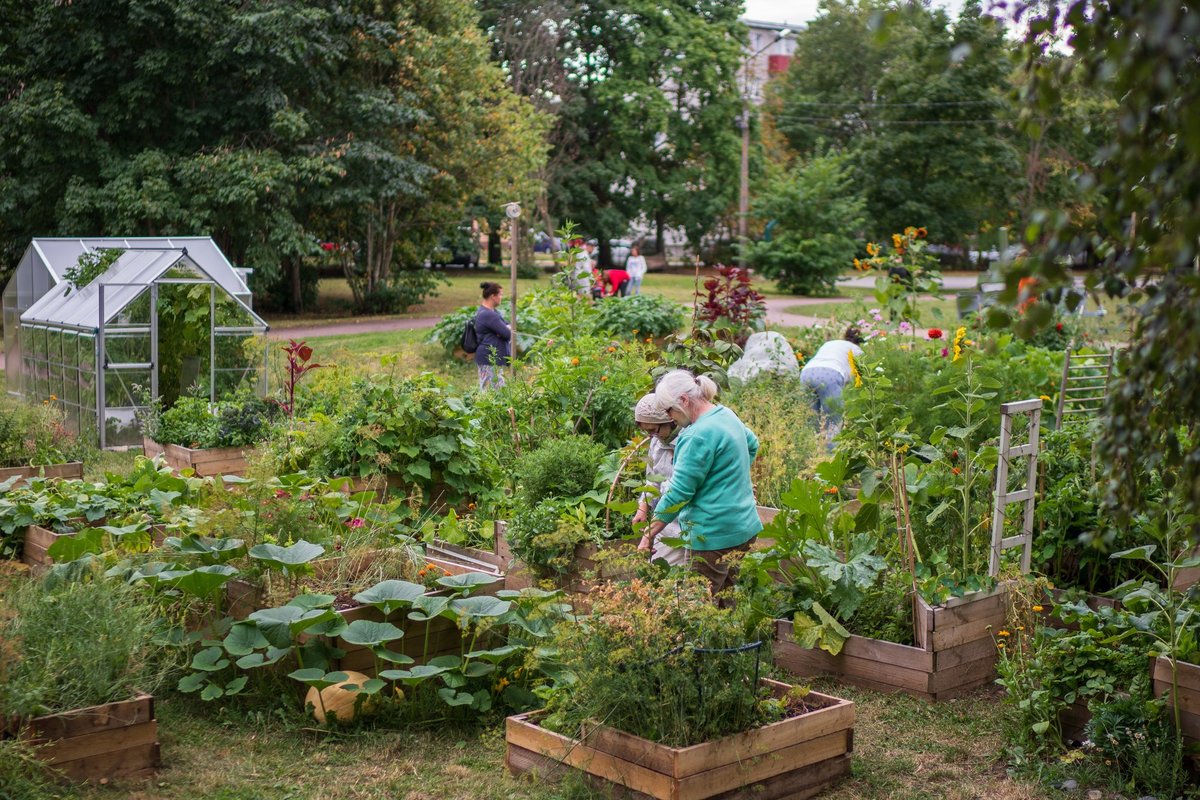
(137, 312)
(127, 348)
(121, 427)
(124, 387)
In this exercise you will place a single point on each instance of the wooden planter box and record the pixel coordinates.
(794, 758)
(1072, 721)
(459, 560)
(37, 543)
(70, 470)
(955, 651)
(212, 461)
(38, 540)
(1188, 698)
(115, 740)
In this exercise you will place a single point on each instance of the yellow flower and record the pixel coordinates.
(960, 337)
(854, 369)
(1045, 398)
(1037, 609)
(897, 241)
(1000, 645)
(910, 231)
(872, 249)
(1003, 633)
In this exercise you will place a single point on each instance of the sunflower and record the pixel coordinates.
(854, 369)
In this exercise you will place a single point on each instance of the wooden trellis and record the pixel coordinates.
(1033, 410)
(1084, 384)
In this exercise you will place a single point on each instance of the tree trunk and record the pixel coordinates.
(495, 255)
(605, 259)
(297, 301)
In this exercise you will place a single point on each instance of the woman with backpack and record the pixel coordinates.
(492, 336)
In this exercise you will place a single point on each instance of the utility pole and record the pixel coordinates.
(744, 124)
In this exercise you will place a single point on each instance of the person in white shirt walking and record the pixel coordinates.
(635, 265)
(826, 374)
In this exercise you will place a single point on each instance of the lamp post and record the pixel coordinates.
(744, 124)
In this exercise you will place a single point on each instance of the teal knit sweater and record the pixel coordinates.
(710, 489)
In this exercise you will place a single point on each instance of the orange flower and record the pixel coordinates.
(648, 340)
(574, 362)
(955, 471)
(831, 490)
(872, 249)
(922, 233)
(612, 349)
(603, 377)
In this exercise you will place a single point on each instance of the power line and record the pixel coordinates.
(867, 104)
(842, 121)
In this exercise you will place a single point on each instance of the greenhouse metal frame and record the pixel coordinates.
(95, 351)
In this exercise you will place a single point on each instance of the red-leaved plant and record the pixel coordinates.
(298, 354)
(731, 304)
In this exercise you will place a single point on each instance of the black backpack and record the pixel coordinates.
(470, 337)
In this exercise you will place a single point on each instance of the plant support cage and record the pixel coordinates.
(160, 322)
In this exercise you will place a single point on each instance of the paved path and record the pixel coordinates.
(353, 327)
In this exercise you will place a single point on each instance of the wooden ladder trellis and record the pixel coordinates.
(1024, 540)
(1084, 385)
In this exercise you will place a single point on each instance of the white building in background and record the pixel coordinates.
(768, 54)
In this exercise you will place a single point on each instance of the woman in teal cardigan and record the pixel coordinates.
(711, 493)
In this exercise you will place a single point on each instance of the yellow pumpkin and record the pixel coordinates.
(336, 701)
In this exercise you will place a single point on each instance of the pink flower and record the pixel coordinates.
(945, 352)
(356, 522)
(281, 493)
(906, 327)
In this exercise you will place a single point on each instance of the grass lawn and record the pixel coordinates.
(334, 298)
(904, 748)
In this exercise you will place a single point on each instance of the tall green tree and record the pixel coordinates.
(644, 97)
(1146, 231)
(919, 102)
(815, 214)
(270, 125)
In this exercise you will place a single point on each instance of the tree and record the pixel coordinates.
(921, 106)
(272, 126)
(644, 96)
(1146, 233)
(815, 215)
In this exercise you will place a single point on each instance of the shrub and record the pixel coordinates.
(35, 435)
(640, 316)
(563, 467)
(77, 645)
(777, 410)
(414, 428)
(818, 214)
(197, 423)
(634, 665)
(401, 291)
(731, 305)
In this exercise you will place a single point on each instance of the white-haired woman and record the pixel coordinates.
(710, 492)
(655, 422)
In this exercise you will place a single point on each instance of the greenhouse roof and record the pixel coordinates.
(126, 280)
(60, 254)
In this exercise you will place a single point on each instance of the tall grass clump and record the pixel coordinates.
(778, 410)
(74, 645)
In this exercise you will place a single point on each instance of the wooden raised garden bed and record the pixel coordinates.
(70, 470)
(1188, 698)
(588, 569)
(114, 740)
(205, 463)
(458, 560)
(955, 652)
(35, 550)
(794, 758)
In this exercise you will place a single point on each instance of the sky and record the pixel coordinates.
(804, 10)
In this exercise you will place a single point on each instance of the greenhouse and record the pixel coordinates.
(164, 318)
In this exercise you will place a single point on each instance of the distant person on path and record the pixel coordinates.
(615, 282)
(494, 337)
(635, 265)
(826, 373)
(656, 423)
(710, 493)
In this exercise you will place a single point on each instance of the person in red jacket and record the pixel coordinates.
(616, 281)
